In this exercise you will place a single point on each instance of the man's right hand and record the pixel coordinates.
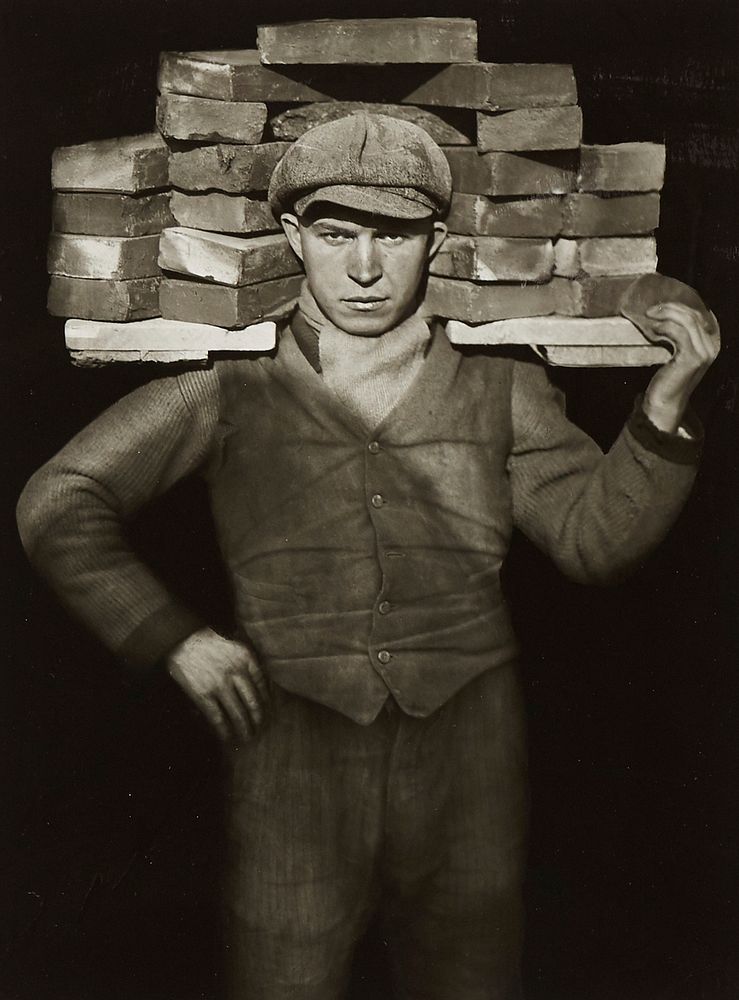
(224, 680)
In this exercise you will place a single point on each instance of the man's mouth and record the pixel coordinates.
(365, 303)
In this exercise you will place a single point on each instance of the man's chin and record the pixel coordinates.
(366, 324)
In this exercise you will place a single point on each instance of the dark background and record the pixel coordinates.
(112, 828)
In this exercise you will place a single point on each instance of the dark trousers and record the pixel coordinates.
(422, 821)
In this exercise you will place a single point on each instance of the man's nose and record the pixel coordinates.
(365, 265)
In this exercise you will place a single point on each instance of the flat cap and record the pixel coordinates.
(373, 163)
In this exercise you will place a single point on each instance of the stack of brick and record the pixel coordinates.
(111, 202)
(584, 215)
(546, 233)
(226, 263)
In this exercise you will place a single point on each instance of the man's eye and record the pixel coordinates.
(334, 236)
(391, 238)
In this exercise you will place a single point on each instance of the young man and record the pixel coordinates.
(364, 478)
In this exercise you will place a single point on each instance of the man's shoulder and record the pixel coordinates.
(490, 363)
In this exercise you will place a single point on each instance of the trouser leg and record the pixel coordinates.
(306, 807)
(457, 816)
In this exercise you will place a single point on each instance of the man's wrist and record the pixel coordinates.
(682, 445)
(157, 636)
(665, 416)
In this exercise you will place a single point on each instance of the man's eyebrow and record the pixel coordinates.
(390, 228)
(334, 226)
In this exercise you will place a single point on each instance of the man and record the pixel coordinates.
(365, 478)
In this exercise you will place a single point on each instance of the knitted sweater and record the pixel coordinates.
(596, 516)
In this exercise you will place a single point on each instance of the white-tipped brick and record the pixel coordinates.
(605, 255)
(163, 335)
(118, 257)
(227, 260)
(130, 165)
(530, 129)
(370, 40)
(198, 119)
(491, 258)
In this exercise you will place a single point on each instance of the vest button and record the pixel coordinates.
(384, 607)
(373, 447)
(384, 656)
(377, 500)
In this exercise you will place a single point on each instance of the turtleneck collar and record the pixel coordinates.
(368, 374)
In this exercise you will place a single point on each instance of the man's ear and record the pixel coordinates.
(292, 230)
(437, 238)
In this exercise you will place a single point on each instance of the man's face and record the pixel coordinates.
(364, 270)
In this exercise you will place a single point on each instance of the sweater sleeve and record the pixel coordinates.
(597, 516)
(72, 513)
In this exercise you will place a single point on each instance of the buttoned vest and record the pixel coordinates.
(366, 564)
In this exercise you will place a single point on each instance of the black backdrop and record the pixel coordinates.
(111, 862)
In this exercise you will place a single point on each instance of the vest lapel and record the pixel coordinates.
(295, 371)
(423, 406)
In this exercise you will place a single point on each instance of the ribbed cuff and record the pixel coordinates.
(672, 447)
(156, 637)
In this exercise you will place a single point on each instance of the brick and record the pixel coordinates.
(239, 76)
(605, 255)
(620, 215)
(625, 166)
(477, 215)
(227, 260)
(162, 335)
(220, 305)
(370, 40)
(571, 215)
(497, 86)
(530, 129)
(104, 214)
(492, 258)
(549, 331)
(449, 298)
(507, 174)
(591, 296)
(605, 357)
(448, 127)
(101, 299)
(118, 257)
(233, 169)
(131, 164)
(99, 359)
(198, 119)
(223, 213)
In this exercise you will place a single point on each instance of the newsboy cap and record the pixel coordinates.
(373, 163)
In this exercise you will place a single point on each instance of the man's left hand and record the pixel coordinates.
(695, 347)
